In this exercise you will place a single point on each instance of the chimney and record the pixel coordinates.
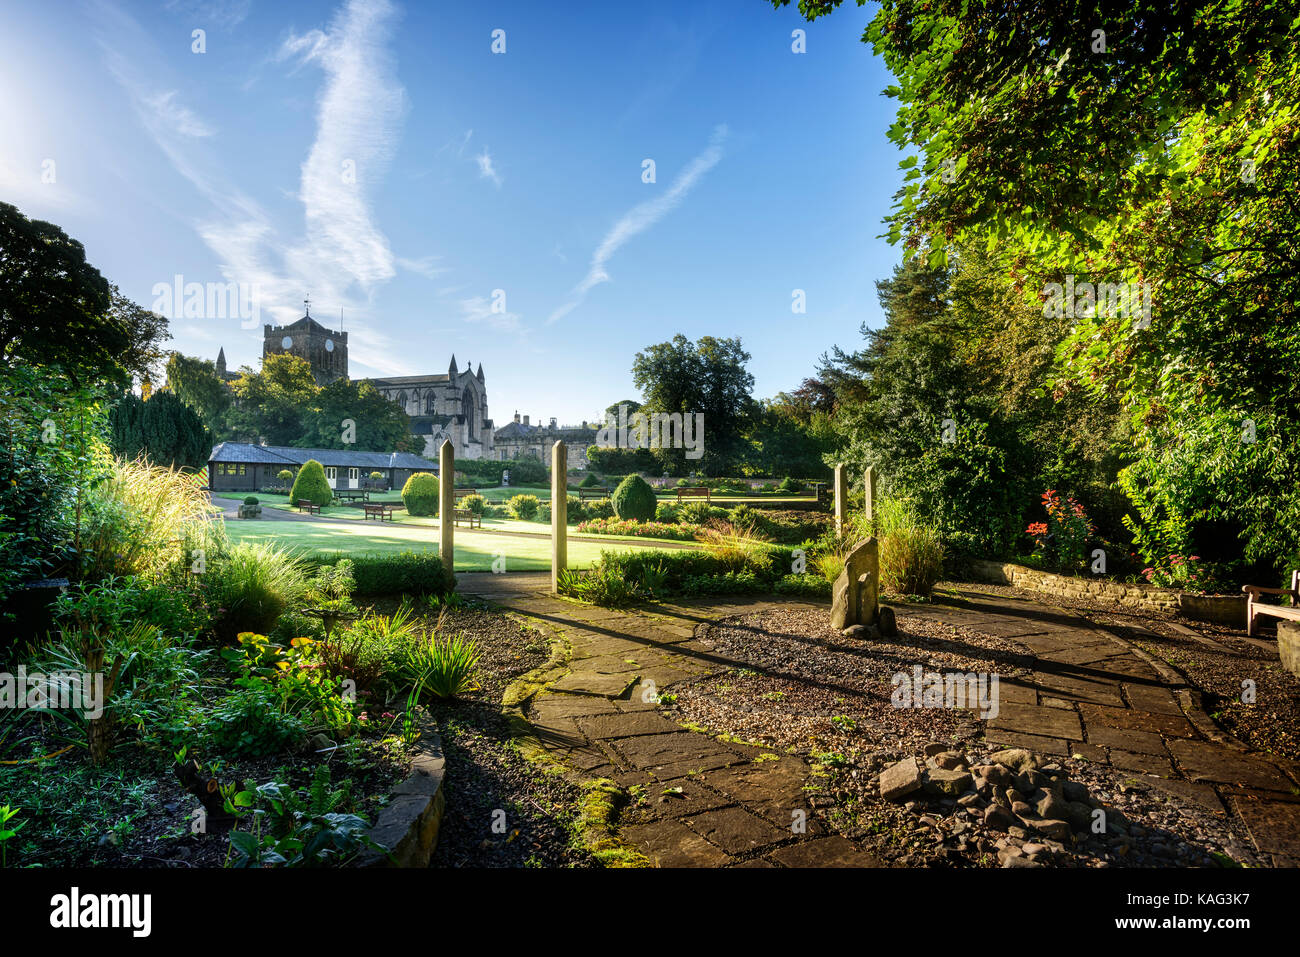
(516, 416)
(525, 420)
(552, 422)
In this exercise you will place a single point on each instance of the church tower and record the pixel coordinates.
(324, 349)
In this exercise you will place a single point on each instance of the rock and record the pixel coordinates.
(1027, 782)
(1021, 862)
(951, 761)
(1021, 809)
(888, 624)
(969, 800)
(998, 818)
(1019, 833)
(1008, 853)
(1056, 830)
(1016, 758)
(935, 747)
(319, 742)
(1079, 815)
(854, 596)
(951, 783)
(900, 780)
(999, 775)
(1074, 791)
(1053, 807)
(1034, 849)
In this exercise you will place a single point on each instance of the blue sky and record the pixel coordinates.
(471, 172)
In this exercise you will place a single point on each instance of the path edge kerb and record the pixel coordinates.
(409, 824)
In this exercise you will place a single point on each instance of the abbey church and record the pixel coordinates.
(450, 405)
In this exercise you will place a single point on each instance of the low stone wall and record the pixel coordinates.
(409, 825)
(1223, 609)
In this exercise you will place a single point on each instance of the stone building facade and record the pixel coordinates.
(324, 349)
(521, 440)
(448, 406)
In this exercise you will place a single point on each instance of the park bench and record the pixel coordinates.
(459, 515)
(462, 492)
(309, 507)
(353, 495)
(700, 491)
(1255, 608)
(379, 511)
(594, 493)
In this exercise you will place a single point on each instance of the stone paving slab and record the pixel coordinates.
(669, 843)
(1033, 719)
(1130, 719)
(735, 830)
(1207, 761)
(827, 852)
(595, 684)
(625, 724)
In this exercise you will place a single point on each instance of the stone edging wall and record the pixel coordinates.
(409, 825)
(1224, 609)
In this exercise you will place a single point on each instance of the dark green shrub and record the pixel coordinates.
(600, 508)
(803, 586)
(248, 723)
(250, 499)
(420, 494)
(416, 573)
(790, 486)
(634, 499)
(311, 485)
(589, 482)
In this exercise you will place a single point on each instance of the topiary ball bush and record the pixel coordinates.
(590, 481)
(634, 499)
(420, 494)
(250, 499)
(311, 485)
(284, 475)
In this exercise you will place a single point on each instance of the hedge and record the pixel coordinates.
(418, 573)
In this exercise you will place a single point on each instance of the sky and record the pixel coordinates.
(466, 179)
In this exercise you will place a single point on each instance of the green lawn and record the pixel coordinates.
(475, 551)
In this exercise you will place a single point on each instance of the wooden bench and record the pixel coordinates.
(459, 515)
(594, 493)
(379, 511)
(700, 491)
(353, 495)
(462, 492)
(1255, 608)
(309, 507)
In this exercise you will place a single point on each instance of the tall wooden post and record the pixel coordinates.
(447, 505)
(841, 498)
(869, 488)
(559, 513)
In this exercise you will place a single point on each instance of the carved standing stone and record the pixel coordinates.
(856, 594)
(841, 498)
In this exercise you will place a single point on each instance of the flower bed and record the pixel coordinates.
(615, 526)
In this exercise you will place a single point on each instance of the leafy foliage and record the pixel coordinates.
(420, 494)
(311, 485)
(634, 499)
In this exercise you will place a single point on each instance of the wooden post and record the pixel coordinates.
(559, 513)
(869, 489)
(447, 505)
(841, 499)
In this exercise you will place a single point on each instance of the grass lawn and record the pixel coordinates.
(475, 551)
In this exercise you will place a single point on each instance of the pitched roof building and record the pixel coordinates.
(242, 466)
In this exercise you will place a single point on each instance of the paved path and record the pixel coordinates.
(1090, 693)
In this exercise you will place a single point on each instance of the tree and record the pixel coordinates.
(146, 331)
(709, 377)
(377, 424)
(274, 405)
(195, 382)
(162, 428)
(54, 306)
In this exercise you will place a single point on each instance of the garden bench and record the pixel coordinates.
(695, 492)
(594, 493)
(462, 492)
(1255, 608)
(459, 515)
(379, 511)
(353, 495)
(311, 508)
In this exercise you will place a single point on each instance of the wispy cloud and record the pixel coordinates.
(478, 309)
(341, 256)
(224, 14)
(485, 168)
(640, 218)
(426, 266)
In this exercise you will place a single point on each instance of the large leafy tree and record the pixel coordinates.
(274, 405)
(709, 377)
(195, 382)
(345, 410)
(54, 306)
(1145, 143)
(146, 332)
